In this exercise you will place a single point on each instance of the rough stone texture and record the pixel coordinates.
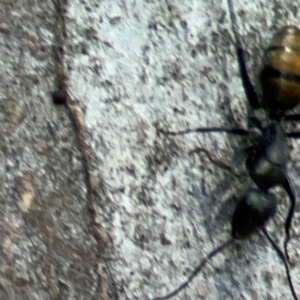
(94, 203)
(48, 250)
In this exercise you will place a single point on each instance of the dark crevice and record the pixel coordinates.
(60, 96)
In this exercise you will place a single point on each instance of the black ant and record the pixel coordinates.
(265, 152)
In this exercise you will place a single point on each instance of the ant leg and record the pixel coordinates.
(219, 163)
(237, 131)
(289, 217)
(293, 135)
(295, 117)
(281, 256)
(196, 270)
(248, 87)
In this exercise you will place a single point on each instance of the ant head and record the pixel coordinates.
(251, 213)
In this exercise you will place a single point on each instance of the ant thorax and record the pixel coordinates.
(257, 122)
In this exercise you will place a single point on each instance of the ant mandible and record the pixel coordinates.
(265, 153)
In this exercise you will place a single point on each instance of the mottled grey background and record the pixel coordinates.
(105, 208)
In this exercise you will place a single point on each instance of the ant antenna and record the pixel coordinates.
(281, 256)
(220, 249)
(197, 270)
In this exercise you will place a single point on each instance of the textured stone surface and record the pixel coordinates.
(47, 248)
(94, 203)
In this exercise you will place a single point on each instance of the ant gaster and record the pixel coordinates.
(265, 153)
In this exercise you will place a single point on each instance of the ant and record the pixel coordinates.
(265, 152)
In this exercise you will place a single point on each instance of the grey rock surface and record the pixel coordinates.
(95, 204)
